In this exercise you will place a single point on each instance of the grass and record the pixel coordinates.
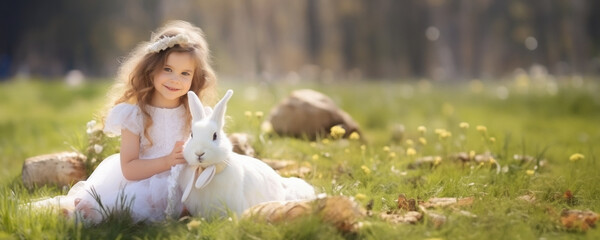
(542, 119)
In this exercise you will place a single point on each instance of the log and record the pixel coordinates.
(342, 212)
(61, 169)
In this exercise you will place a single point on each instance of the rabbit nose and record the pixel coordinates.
(200, 156)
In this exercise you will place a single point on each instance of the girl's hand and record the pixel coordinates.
(176, 155)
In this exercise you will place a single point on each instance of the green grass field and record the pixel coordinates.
(549, 121)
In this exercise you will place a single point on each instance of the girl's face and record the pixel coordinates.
(173, 80)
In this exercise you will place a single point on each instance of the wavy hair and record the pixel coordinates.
(134, 81)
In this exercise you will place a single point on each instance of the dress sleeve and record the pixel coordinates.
(123, 116)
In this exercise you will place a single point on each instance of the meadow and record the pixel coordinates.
(540, 132)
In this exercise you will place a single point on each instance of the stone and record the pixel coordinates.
(578, 220)
(308, 113)
(411, 217)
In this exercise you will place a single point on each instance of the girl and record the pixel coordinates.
(151, 114)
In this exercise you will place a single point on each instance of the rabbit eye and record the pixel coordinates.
(192, 135)
(214, 136)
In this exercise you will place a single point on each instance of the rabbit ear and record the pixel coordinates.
(196, 107)
(218, 114)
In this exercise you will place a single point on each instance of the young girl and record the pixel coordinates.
(151, 114)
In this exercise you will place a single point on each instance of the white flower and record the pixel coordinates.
(90, 126)
(167, 42)
(98, 148)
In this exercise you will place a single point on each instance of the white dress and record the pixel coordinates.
(148, 198)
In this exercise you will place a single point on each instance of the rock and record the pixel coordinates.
(437, 219)
(406, 204)
(60, 169)
(448, 201)
(307, 113)
(530, 198)
(426, 161)
(411, 217)
(478, 158)
(241, 144)
(398, 133)
(578, 220)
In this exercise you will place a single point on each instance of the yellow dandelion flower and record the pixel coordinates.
(439, 131)
(411, 152)
(386, 149)
(366, 169)
(530, 172)
(422, 141)
(248, 114)
(422, 129)
(363, 148)
(313, 144)
(354, 136)
(337, 131)
(447, 134)
(259, 114)
(464, 125)
(444, 134)
(193, 224)
(315, 157)
(492, 160)
(392, 155)
(409, 142)
(481, 128)
(576, 157)
(360, 196)
(492, 139)
(325, 141)
(437, 160)
(266, 127)
(347, 150)
(472, 154)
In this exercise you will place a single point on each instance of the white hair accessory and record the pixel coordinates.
(167, 42)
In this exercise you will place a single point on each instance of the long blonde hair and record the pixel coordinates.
(134, 82)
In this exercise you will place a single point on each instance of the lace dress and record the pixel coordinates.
(147, 199)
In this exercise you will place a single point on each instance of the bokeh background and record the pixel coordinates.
(514, 82)
(312, 39)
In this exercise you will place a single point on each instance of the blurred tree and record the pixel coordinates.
(438, 39)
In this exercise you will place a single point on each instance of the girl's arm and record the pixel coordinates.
(137, 169)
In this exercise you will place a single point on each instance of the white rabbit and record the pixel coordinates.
(229, 181)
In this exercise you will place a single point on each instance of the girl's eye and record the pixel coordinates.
(167, 69)
(186, 74)
(214, 136)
